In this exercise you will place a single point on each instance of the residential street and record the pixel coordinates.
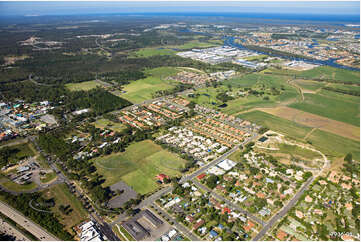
(277, 217)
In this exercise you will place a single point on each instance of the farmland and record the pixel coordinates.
(139, 165)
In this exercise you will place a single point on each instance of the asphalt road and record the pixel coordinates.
(11, 230)
(26, 223)
(277, 217)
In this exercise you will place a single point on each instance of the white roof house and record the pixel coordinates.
(227, 164)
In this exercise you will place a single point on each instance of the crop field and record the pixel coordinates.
(82, 86)
(105, 123)
(139, 165)
(142, 89)
(333, 108)
(62, 196)
(315, 121)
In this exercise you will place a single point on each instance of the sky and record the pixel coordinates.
(284, 7)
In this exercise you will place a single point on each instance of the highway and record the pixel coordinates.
(26, 223)
(278, 216)
(9, 229)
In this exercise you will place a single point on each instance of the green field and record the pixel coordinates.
(327, 72)
(277, 124)
(62, 196)
(48, 177)
(142, 89)
(330, 144)
(82, 86)
(330, 107)
(309, 85)
(295, 150)
(257, 57)
(17, 187)
(193, 44)
(147, 52)
(105, 123)
(139, 165)
(259, 82)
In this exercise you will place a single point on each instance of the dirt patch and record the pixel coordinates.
(315, 121)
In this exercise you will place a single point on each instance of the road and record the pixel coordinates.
(178, 226)
(9, 229)
(230, 204)
(26, 223)
(278, 216)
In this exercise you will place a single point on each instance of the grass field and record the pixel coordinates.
(63, 196)
(295, 150)
(192, 44)
(313, 120)
(331, 144)
(48, 177)
(309, 85)
(257, 57)
(105, 123)
(330, 107)
(141, 90)
(82, 86)
(147, 52)
(277, 124)
(139, 165)
(334, 145)
(17, 187)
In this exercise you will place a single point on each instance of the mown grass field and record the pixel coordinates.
(139, 165)
(105, 123)
(82, 86)
(330, 107)
(17, 187)
(141, 90)
(62, 196)
(48, 177)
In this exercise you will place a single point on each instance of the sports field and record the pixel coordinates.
(139, 165)
(315, 121)
(142, 89)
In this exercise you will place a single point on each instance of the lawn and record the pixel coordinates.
(330, 107)
(63, 196)
(139, 165)
(105, 123)
(142, 89)
(17, 187)
(48, 177)
(277, 124)
(82, 86)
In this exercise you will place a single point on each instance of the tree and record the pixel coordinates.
(212, 181)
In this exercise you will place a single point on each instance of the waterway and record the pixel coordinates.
(229, 41)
